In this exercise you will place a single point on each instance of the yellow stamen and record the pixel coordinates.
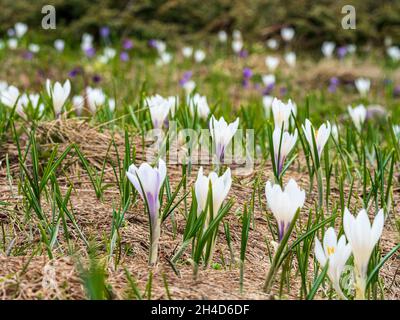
(331, 250)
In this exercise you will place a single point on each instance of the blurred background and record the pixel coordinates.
(193, 20)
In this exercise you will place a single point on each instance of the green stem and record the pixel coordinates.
(360, 287)
(270, 275)
(320, 188)
(181, 250)
(154, 242)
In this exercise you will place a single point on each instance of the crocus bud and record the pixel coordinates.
(59, 94)
(358, 116)
(222, 134)
(337, 253)
(362, 238)
(148, 182)
(284, 203)
(321, 136)
(363, 85)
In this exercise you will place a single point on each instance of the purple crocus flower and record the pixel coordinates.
(247, 73)
(333, 84)
(11, 32)
(243, 53)
(267, 91)
(74, 72)
(124, 56)
(334, 81)
(387, 81)
(283, 91)
(245, 83)
(396, 91)
(127, 44)
(342, 51)
(28, 55)
(96, 78)
(152, 43)
(91, 52)
(104, 32)
(187, 75)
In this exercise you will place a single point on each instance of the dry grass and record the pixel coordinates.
(21, 274)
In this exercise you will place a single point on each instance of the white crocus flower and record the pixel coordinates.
(287, 34)
(272, 44)
(396, 130)
(12, 43)
(335, 132)
(148, 182)
(59, 44)
(23, 100)
(321, 136)
(103, 59)
(95, 98)
(394, 53)
(290, 59)
(161, 46)
(172, 102)
(358, 116)
(165, 58)
(87, 37)
(222, 36)
(272, 63)
(159, 109)
(111, 105)
(283, 143)
(236, 34)
(20, 29)
(110, 52)
(284, 203)
(363, 85)
(59, 94)
(362, 237)
(222, 134)
(33, 98)
(187, 52)
(351, 48)
(268, 79)
(78, 103)
(237, 45)
(87, 41)
(198, 103)
(199, 56)
(33, 47)
(337, 253)
(9, 96)
(327, 48)
(282, 112)
(189, 87)
(3, 86)
(267, 103)
(220, 188)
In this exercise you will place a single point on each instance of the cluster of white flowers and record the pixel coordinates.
(58, 95)
(11, 97)
(148, 180)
